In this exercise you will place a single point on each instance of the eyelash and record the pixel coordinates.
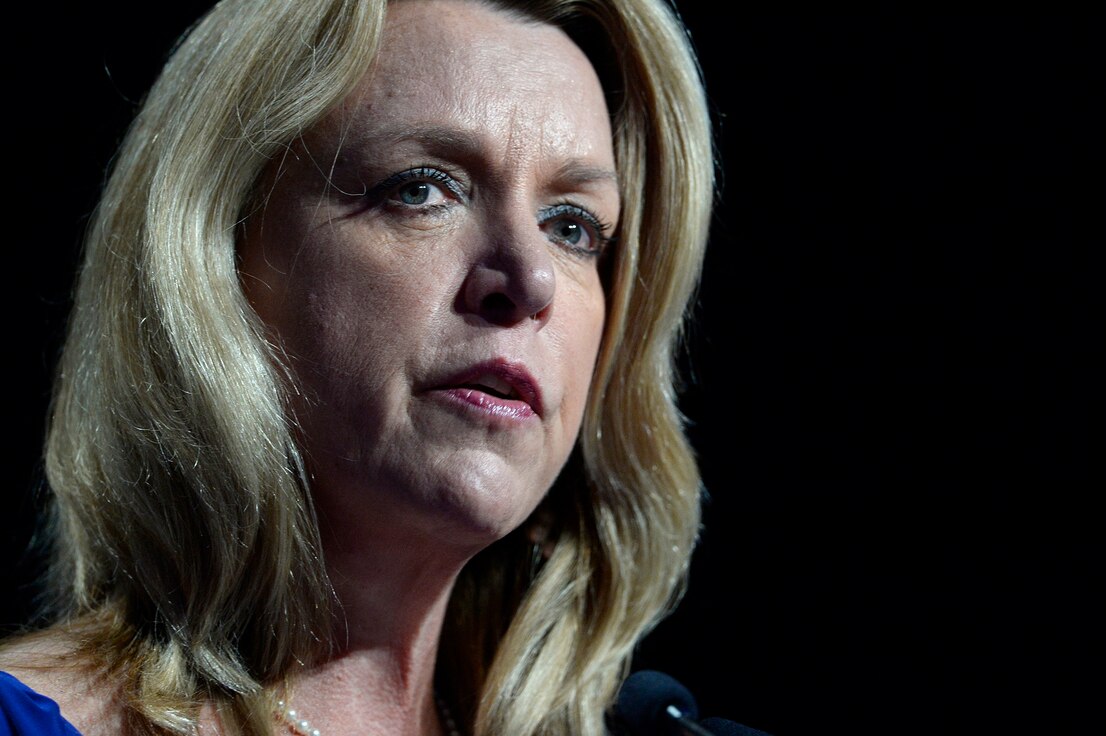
(390, 185)
(386, 191)
(595, 226)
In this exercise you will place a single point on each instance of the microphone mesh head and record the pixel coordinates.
(644, 699)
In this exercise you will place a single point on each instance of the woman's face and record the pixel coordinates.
(427, 257)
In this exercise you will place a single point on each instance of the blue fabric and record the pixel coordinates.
(23, 712)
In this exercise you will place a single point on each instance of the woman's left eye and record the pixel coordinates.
(575, 228)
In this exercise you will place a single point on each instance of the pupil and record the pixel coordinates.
(416, 193)
(569, 231)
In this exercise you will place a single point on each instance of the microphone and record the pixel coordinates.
(652, 703)
(655, 704)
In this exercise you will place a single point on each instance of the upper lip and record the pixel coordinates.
(499, 374)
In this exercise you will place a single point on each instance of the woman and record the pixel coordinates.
(365, 420)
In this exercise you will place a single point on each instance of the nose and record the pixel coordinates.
(512, 279)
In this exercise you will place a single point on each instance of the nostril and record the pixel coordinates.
(507, 288)
(498, 304)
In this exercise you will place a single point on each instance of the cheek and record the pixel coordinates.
(337, 284)
(584, 334)
(318, 320)
(351, 321)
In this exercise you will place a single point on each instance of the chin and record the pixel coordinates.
(485, 508)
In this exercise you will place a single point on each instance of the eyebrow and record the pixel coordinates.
(432, 136)
(578, 172)
(451, 142)
(436, 139)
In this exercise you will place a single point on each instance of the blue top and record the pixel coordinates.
(23, 712)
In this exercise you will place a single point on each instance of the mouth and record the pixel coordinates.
(496, 385)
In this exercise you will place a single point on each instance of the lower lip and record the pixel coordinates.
(489, 405)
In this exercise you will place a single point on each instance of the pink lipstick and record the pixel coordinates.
(497, 387)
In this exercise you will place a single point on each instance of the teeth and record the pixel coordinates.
(495, 383)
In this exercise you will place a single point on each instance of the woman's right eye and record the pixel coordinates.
(418, 192)
(420, 187)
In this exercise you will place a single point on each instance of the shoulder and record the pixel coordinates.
(24, 711)
(46, 676)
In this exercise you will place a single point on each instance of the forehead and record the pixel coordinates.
(470, 38)
(488, 71)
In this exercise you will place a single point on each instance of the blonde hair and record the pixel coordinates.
(185, 542)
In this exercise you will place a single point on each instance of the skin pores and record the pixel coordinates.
(427, 257)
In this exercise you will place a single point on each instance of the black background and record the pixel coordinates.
(893, 387)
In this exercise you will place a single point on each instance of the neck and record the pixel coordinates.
(302, 727)
(393, 595)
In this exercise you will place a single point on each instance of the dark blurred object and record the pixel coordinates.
(652, 703)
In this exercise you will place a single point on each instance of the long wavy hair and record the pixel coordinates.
(185, 548)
